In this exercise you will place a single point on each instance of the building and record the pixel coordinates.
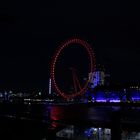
(98, 78)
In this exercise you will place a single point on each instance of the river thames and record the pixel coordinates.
(72, 121)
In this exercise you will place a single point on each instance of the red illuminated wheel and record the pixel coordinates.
(62, 49)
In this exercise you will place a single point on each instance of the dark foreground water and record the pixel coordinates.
(58, 122)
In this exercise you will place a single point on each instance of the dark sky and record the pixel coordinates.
(30, 32)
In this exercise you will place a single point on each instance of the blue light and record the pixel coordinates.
(115, 101)
(115, 96)
(100, 96)
(101, 100)
(135, 95)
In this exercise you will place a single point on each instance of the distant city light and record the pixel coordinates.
(39, 93)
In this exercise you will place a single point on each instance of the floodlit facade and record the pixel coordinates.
(97, 78)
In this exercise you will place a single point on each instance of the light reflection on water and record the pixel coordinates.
(63, 116)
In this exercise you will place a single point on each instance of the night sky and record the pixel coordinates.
(31, 32)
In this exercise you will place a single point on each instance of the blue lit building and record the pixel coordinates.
(101, 91)
(98, 78)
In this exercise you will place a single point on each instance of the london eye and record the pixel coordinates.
(72, 62)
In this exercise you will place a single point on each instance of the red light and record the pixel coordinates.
(60, 49)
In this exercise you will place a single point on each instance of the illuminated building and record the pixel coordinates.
(97, 77)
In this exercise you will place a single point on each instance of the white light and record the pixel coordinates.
(100, 128)
(50, 86)
(95, 129)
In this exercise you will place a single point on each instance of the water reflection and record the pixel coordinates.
(71, 121)
(92, 133)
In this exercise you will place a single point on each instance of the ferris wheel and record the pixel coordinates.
(63, 53)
